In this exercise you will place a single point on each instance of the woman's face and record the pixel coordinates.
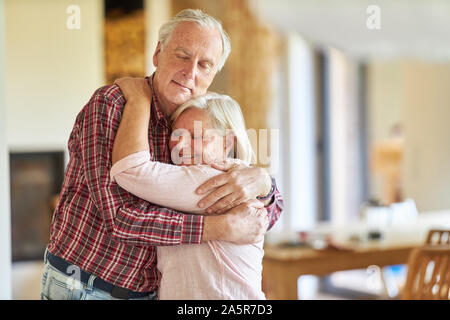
(194, 140)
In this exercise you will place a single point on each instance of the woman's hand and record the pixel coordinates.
(134, 89)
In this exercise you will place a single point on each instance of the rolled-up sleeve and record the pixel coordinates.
(275, 208)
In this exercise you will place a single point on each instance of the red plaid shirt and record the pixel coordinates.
(100, 227)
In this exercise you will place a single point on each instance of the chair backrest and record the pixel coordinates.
(428, 273)
(438, 236)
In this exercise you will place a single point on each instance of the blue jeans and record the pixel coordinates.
(56, 285)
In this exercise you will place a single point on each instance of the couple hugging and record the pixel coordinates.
(159, 199)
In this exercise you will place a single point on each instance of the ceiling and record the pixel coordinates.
(408, 29)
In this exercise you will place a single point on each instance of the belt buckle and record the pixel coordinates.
(120, 293)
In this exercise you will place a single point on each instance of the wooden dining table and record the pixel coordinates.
(283, 265)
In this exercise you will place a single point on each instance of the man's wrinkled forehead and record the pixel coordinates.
(188, 35)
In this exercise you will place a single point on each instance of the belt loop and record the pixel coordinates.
(90, 283)
(45, 255)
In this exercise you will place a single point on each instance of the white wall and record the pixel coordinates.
(415, 94)
(5, 234)
(157, 12)
(385, 94)
(385, 102)
(427, 135)
(51, 70)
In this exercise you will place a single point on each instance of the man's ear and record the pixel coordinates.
(156, 54)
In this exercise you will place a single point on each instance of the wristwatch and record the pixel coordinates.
(271, 193)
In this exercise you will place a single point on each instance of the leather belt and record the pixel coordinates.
(115, 291)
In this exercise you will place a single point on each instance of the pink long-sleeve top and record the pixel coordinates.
(212, 270)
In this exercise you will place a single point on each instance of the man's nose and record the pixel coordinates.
(190, 70)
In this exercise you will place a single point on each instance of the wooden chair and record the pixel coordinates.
(438, 237)
(428, 273)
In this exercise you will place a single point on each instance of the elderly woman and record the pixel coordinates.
(208, 134)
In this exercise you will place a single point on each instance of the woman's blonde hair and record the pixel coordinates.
(225, 115)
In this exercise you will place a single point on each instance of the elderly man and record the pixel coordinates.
(103, 239)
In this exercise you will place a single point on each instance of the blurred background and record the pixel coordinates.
(354, 96)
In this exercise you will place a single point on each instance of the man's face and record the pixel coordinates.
(187, 65)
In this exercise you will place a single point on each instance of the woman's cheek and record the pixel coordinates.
(208, 153)
(207, 156)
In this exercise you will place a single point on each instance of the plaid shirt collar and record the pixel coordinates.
(157, 117)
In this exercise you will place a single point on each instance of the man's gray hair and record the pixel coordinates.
(204, 20)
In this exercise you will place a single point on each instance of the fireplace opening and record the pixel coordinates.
(36, 179)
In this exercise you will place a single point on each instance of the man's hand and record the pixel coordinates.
(245, 224)
(237, 185)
